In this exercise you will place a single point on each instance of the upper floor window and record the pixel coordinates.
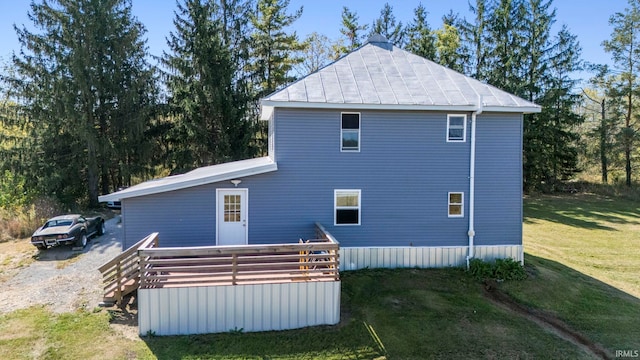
(350, 132)
(456, 127)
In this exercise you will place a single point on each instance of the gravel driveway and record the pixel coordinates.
(61, 278)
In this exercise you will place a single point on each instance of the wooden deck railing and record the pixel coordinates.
(311, 260)
(121, 275)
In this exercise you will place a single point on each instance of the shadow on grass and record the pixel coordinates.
(348, 341)
(601, 313)
(582, 210)
(440, 313)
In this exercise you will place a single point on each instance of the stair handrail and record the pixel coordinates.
(121, 275)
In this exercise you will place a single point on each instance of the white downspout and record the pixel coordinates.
(472, 180)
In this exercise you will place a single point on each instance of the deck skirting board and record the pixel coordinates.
(354, 258)
(247, 308)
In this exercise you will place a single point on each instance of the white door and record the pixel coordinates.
(232, 217)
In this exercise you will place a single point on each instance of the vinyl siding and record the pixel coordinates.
(405, 169)
(183, 218)
(499, 180)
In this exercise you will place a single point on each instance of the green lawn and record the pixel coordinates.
(402, 314)
(582, 254)
(598, 236)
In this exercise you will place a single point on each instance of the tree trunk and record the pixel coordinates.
(627, 156)
(92, 174)
(603, 146)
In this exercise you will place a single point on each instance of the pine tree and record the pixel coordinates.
(273, 51)
(387, 26)
(546, 66)
(208, 95)
(87, 94)
(421, 39)
(476, 42)
(550, 137)
(510, 45)
(351, 30)
(506, 26)
(273, 55)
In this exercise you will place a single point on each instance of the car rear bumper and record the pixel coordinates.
(53, 242)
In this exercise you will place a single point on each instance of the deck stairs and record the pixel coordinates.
(121, 275)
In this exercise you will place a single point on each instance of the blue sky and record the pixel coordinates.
(588, 19)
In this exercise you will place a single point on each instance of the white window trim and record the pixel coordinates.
(335, 206)
(449, 203)
(464, 128)
(359, 132)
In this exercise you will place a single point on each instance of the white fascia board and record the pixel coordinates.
(177, 185)
(409, 107)
(513, 109)
(266, 113)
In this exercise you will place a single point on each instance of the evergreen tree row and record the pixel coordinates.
(88, 113)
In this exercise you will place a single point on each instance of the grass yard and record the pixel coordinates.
(584, 265)
(595, 235)
(36, 333)
(584, 255)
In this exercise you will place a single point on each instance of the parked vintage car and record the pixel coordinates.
(67, 229)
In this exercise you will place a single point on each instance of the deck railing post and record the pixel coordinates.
(142, 271)
(234, 268)
(118, 290)
(334, 266)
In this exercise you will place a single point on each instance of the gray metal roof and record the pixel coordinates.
(199, 176)
(379, 75)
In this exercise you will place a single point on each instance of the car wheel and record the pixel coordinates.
(41, 247)
(101, 229)
(82, 241)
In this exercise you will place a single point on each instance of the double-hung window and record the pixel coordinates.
(456, 204)
(350, 132)
(347, 207)
(456, 127)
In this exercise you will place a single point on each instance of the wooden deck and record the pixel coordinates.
(145, 265)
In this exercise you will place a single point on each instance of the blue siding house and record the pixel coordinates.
(405, 162)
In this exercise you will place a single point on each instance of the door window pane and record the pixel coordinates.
(232, 208)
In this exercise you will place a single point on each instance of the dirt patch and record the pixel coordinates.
(14, 256)
(546, 321)
(124, 318)
(59, 278)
